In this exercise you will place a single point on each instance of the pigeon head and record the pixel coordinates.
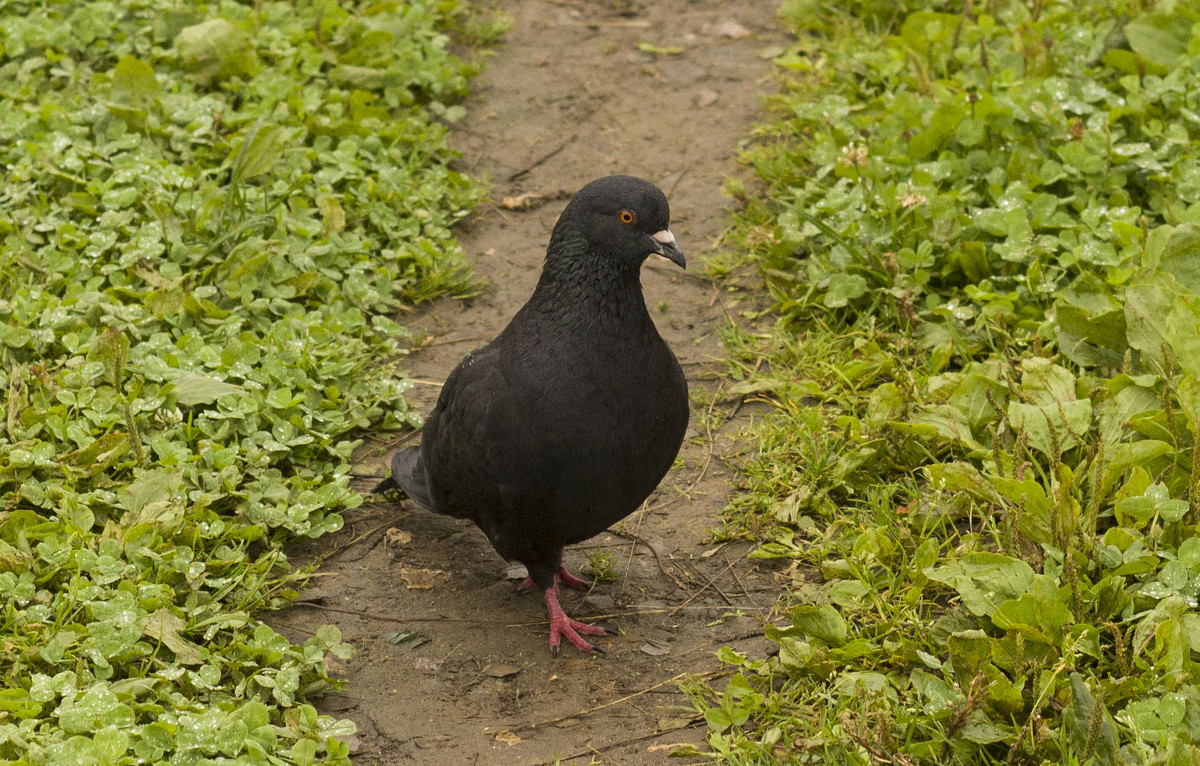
(622, 217)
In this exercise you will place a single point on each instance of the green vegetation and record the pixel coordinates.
(601, 566)
(206, 213)
(980, 226)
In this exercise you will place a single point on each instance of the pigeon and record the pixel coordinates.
(567, 421)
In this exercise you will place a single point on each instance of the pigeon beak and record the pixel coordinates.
(666, 247)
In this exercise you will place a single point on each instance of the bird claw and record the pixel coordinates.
(592, 649)
(562, 625)
(571, 629)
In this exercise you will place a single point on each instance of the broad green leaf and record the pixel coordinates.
(1046, 384)
(983, 731)
(1089, 725)
(1052, 430)
(1092, 339)
(941, 421)
(99, 455)
(926, 143)
(971, 132)
(360, 77)
(18, 703)
(192, 389)
(1154, 503)
(795, 654)
(1172, 707)
(1077, 155)
(1167, 609)
(1190, 624)
(974, 399)
(1039, 614)
(922, 28)
(858, 682)
(1181, 256)
(1130, 401)
(1030, 496)
(1188, 554)
(1148, 454)
(821, 622)
(1132, 63)
(844, 288)
(1164, 317)
(1159, 37)
(984, 580)
(154, 486)
(1188, 392)
(969, 649)
(110, 744)
(963, 477)
(216, 50)
(886, 402)
(134, 80)
(259, 152)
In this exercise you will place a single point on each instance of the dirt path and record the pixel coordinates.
(568, 98)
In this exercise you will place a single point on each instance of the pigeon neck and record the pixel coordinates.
(593, 287)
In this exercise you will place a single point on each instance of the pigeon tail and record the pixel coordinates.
(408, 473)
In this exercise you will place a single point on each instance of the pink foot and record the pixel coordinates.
(570, 580)
(562, 625)
(563, 576)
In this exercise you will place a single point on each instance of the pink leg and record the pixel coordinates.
(562, 625)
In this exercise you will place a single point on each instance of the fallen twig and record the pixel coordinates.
(709, 584)
(589, 711)
(639, 539)
(339, 548)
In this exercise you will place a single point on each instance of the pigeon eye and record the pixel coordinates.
(626, 216)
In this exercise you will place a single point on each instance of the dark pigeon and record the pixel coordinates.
(567, 421)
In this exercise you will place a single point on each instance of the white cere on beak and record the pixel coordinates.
(664, 237)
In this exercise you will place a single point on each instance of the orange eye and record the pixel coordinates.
(626, 216)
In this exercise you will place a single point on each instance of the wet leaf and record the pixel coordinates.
(508, 738)
(410, 637)
(422, 579)
(655, 649)
(501, 671)
(166, 627)
(647, 47)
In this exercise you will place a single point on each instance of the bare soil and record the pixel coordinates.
(569, 97)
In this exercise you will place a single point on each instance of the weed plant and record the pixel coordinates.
(980, 223)
(207, 213)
